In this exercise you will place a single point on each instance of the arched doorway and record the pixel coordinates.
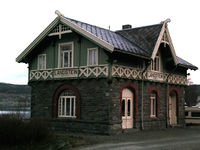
(127, 109)
(173, 108)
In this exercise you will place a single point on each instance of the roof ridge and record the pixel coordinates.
(139, 27)
(88, 24)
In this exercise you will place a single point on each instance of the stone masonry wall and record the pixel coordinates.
(94, 102)
(100, 105)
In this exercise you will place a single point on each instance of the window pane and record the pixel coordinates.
(63, 106)
(90, 57)
(66, 47)
(70, 59)
(41, 61)
(66, 55)
(95, 57)
(67, 106)
(72, 107)
(154, 108)
(65, 59)
(59, 107)
(123, 107)
(129, 107)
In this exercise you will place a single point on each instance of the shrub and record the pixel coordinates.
(16, 131)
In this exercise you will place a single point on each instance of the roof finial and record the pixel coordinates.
(166, 21)
(57, 12)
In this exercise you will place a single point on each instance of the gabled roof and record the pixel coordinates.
(142, 42)
(145, 37)
(116, 40)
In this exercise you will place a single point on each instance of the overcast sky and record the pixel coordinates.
(23, 20)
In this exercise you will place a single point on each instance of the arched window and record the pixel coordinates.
(67, 104)
(153, 104)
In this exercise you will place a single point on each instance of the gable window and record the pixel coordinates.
(67, 104)
(92, 56)
(42, 62)
(66, 55)
(155, 65)
(153, 104)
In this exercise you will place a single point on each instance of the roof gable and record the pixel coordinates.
(145, 37)
(143, 41)
(165, 38)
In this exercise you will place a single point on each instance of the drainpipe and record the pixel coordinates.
(167, 105)
(142, 112)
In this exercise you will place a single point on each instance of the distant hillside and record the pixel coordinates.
(14, 96)
(14, 89)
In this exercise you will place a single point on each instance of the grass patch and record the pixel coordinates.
(33, 134)
(56, 142)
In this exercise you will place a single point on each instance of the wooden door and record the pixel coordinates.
(172, 109)
(127, 109)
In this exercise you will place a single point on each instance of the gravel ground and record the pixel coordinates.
(187, 138)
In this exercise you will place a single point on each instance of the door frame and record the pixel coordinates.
(127, 96)
(171, 90)
(132, 87)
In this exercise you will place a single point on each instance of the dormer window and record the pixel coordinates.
(66, 55)
(92, 56)
(155, 64)
(42, 62)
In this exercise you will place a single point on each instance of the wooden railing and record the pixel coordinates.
(81, 72)
(192, 115)
(136, 73)
(103, 71)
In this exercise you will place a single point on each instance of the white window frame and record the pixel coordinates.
(61, 109)
(93, 58)
(61, 64)
(41, 55)
(156, 67)
(153, 105)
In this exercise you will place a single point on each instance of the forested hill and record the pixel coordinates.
(14, 96)
(14, 89)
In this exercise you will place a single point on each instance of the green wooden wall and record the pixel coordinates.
(81, 46)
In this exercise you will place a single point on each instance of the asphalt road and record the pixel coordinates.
(170, 139)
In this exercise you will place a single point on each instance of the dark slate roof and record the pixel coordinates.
(140, 41)
(119, 42)
(185, 63)
(145, 37)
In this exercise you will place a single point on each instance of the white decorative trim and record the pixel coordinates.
(87, 71)
(59, 30)
(160, 39)
(65, 73)
(75, 72)
(126, 72)
(41, 74)
(135, 73)
(66, 22)
(35, 42)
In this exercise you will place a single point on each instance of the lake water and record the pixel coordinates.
(25, 114)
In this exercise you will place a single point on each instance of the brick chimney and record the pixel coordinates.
(126, 26)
